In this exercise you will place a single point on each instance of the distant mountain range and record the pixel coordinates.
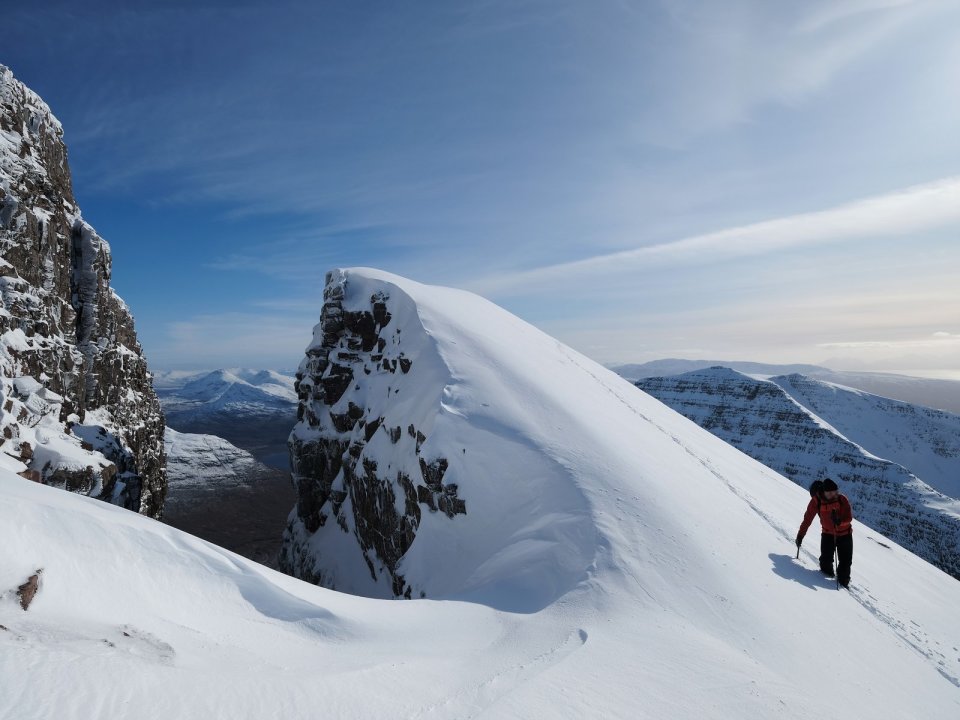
(930, 392)
(253, 409)
(899, 463)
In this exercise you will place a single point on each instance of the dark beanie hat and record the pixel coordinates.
(829, 484)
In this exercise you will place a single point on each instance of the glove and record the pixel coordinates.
(799, 540)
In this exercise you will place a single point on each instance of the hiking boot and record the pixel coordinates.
(827, 571)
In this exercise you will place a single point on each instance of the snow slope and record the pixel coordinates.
(672, 591)
(924, 440)
(762, 418)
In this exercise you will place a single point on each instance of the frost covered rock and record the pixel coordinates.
(898, 463)
(77, 408)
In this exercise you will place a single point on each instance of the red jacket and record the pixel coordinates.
(836, 516)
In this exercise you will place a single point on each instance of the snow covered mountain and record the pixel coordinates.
(223, 494)
(205, 464)
(898, 463)
(253, 409)
(600, 556)
(77, 409)
(234, 391)
(929, 392)
(677, 366)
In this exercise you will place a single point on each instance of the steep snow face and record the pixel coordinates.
(654, 561)
(77, 408)
(924, 440)
(415, 434)
(787, 423)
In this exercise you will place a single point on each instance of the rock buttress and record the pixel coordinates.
(358, 463)
(77, 406)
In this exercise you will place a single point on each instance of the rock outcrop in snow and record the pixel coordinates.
(77, 408)
(357, 455)
(893, 460)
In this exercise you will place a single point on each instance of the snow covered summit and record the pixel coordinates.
(231, 392)
(616, 560)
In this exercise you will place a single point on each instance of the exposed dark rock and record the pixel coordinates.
(77, 350)
(379, 506)
(28, 591)
(371, 428)
(435, 494)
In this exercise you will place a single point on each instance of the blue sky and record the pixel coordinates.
(773, 181)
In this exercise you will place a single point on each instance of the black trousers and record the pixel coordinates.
(843, 544)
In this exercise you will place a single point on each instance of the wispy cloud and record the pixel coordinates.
(840, 10)
(911, 210)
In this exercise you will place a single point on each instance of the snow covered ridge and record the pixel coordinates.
(928, 392)
(426, 412)
(654, 564)
(77, 408)
(898, 463)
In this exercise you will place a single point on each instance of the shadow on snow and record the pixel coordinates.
(787, 566)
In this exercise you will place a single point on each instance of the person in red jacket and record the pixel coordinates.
(836, 528)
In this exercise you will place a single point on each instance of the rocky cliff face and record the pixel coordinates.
(363, 477)
(77, 408)
(762, 419)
